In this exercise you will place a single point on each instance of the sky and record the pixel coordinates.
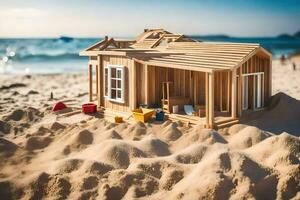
(127, 18)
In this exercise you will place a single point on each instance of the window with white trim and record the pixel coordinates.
(114, 83)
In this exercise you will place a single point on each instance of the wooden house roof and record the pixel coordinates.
(162, 48)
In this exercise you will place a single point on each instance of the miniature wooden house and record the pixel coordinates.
(223, 81)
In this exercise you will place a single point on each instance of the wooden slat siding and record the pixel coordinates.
(126, 62)
(216, 89)
(266, 69)
(191, 62)
(211, 99)
(146, 84)
(195, 88)
(206, 100)
(190, 80)
(140, 84)
(90, 71)
(233, 94)
(204, 57)
(100, 81)
(224, 91)
(133, 85)
(97, 80)
(228, 92)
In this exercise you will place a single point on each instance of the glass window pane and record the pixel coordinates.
(113, 94)
(119, 94)
(119, 84)
(113, 83)
(119, 73)
(113, 72)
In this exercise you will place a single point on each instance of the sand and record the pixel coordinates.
(46, 155)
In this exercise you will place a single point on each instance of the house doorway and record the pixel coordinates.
(253, 91)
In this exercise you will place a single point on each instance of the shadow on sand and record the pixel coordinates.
(282, 115)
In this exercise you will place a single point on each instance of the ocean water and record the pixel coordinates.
(61, 55)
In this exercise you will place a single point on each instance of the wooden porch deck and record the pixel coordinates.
(221, 121)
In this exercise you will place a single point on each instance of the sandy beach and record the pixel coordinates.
(46, 155)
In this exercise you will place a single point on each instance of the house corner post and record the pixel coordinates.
(146, 68)
(133, 85)
(211, 99)
(90, 82)
(206, 101)
(99, 82)
(233, 94)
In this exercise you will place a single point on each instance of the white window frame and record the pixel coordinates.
(122, 79)
(106, 95)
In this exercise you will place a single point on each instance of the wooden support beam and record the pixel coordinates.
(206, 100)
(146, 68)
(221, 91)
(133, 85)
(233, 94)
(240, 96)
(101, 80)
(211, 99)
(97, 79)
(195, 88)
(91, 83)
(228, 91)
(191, 84)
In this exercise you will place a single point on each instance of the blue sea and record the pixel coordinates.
(61, 55)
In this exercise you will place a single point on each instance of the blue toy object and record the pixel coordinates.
(159, 116)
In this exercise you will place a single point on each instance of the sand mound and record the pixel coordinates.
(56, 126)
(127, 185)
(84, 137)
(217, 178)
(47, 186)
(171, 178)
(236, 128)
(135, 131)
(42, 131)
(69, 165)
(97, 168)
(30, 114)
(100, 136)
(97, 159)
(170, 132)
(248, 137)
(192, 154)
(153, 146)
(37, 142)
(199, 135)
(20, 119)
(11, 86)
(78, 140)
(4, 127)
(269, 150)
(114, 152)
(283, 115)
(7, 148)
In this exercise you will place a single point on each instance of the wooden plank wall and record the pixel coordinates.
(127, 63)
(140, 84)
(185, 83)
(198, 86)
(258, 64)
(222, 91)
